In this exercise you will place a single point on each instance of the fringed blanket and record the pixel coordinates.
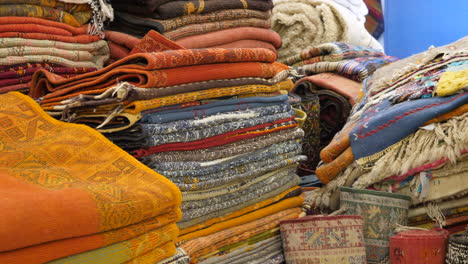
(70, 186)
(304, 23)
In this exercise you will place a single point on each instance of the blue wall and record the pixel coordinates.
(412, 26)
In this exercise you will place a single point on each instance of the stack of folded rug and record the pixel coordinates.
(331, 86)
(58, 36)
(407, 135)
(305, 23)
(71, 196)
(216, 122)
(198, 24)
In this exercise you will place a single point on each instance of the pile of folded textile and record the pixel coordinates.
(56, 35)
(217, 123)
(74, 197)
(196, 24)
(305, 23)
(407, 135)
(331, 86)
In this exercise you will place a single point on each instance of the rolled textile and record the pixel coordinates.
(76, 19)
(126, 250)
(357, 7)
(230, 35)
(336, 95)
(457, 250)
(197, 29)
(419, 246)
(303, 23)
(220, 15)
(23, 88)
(180, 8)
(322, 239)
(380, 211)
(201, 246)
(66, 184)
(58, 249)
(149, 62)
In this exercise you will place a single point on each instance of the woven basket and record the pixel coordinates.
(323, 239)
(457, 251)
(419, 247)
(380, 211)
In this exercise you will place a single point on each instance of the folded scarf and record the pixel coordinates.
(49, 251)
(96, 52)
(151, 64)
(356, 63)
(158, 254)
(247, 43)
(375, 19)
(177, 170)
(197, 29)
(126, 250)
(258, 190)
(222, 139)
(83, 39)
(218, 218)
(209, 109)
(190, 130)
(23, 74)
(71, 193)
(303, 23)
(224, 151)
(225, 36)
(117, 52)
(201, 246)
(241, 251)
(70, 8)
(180, 8)
(23, 88)
(134, 25)
(145, 7)
(221, 15)
(76, 19)
(336, 95)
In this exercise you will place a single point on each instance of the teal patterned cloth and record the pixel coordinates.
(381, 211)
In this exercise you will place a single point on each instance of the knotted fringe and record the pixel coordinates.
(447, 139)
(102, 12)
(434, 211)
(401, 228)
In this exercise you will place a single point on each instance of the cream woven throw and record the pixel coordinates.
(304, 23)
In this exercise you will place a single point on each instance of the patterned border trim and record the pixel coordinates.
(309, 218)
(377, 193)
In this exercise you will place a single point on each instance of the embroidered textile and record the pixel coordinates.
(66, 184)
(380, 211)
(324, 239)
